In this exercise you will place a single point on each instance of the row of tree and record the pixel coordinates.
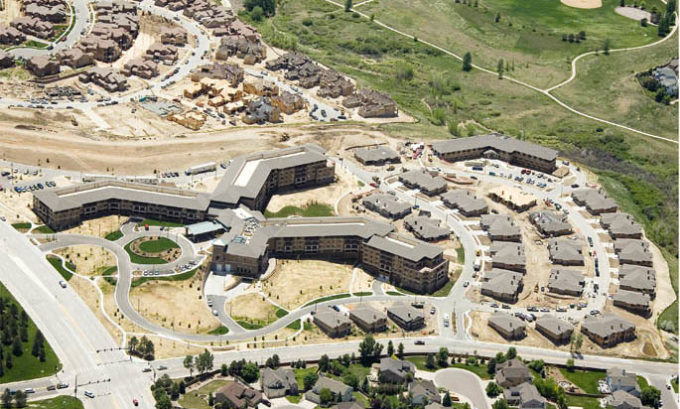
(142, 348)
(16, 400)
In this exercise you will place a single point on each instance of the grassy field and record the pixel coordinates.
(328, 298)
(44, 229)
(157, 246)
(606, 86)
(26, 366)
(300, 375)
(114, 235)
(153, 222)
(175, 277)
(528, 34)
(22, 227)
(60, 402)
(431, 87)
(583, 402)
(59, 266)
(198, 399)
(586, 380)
(479, 369)
(248, 323)
(221, 330)
(312, 210)
(137, 259)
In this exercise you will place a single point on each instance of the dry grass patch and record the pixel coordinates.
(178, 305)
(297, 282)
(251, 306)
(98, 227)
(89, 260)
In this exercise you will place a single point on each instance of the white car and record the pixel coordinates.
(62, 283)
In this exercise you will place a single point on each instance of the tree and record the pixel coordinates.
(390, 348)
(162, 399)
(369, 350)
(224, 370)
(536, 365)
(348, 5)
(257, 14)
(250, 372)
(500, 404)
(429, 363)
(268, 6)
(443, 357)
(643, 22)
(20, 399)
(17, 350)
(326, 396)
(498, 17)
(446, 400)
(324, 362)
(204, 361)
(6, 399)
(570, 365)
(622, 3)
(582, 35)
(576, 343)
(491, 366)
(511, 354)
(500, 68)
(132, 345)
(351, 379)
(400, 351)
(605, 47)
(309, 380)
(467, 62)
(650, 396)
(493, 390)
(189, 364)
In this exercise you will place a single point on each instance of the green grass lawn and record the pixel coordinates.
(674, 384)
(35, 44)
(394, 293)
(642, 382)
(198, 399)
(114, 235)
(22, 227)
(479, 369)
(137, 259)
(176, 277)
(59, 266)
(60, 402)
(363, 294)
(606, 86)
(311, 210)
(442, 292)
(26, 366)
(154, 222)
(44, 229)
(157, 246)
(300, 374)
(327, 298)
(221, 330)
(528, 34)
(294, 398)
(583, 402)
(586, 380)
(295, 325)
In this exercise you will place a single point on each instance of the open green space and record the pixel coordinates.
(583, 402)
(58, 265)
(606, 86)
(295, 325)
(198, 399)
(444, 100)
(175, 277)
(154, 222)
(528, 34)
(221, 330)
(44, 229)
(311, 210)
(300, 374)
(328, 298)
(60, 402)
(24, 365)
(35, 44)
(22, 227)
(157, 246)
(586, 380)
(480, 370)
(114, 235)
(642, 382)
(137, 259)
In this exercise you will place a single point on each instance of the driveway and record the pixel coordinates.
(464, 383)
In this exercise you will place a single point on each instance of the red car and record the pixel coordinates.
(135, 402)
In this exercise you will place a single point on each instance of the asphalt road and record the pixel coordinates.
(463, 382)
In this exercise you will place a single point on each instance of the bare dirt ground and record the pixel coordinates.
(89, 260)
(297, 282)
(251, 306)
(11, 10)
(362, 281)
(648, 342)
(91, 297)
(482, 331)
(77, 148)
(323, 195)
(664, 288)
(158, 301)
(99, 227)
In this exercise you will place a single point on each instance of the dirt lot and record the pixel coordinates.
(98, 227)
(482, 331)
(648, 342)
(324, 195)
(158, 301)
(362, 281)
(90, 296)
(297, 282)
(251, 306)
(89, 260)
